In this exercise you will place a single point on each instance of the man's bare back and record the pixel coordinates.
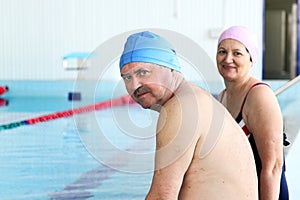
(221, 164)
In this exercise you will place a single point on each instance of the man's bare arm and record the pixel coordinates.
(176, 139)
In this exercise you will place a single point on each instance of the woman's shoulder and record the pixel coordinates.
(260, 93)
(259, 89)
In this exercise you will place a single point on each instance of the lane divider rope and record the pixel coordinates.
(120, 101)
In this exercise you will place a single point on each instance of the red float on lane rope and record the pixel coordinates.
(121, 101)
(3, 89)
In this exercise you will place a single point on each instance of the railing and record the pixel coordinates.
(287, 85)
(290, 107)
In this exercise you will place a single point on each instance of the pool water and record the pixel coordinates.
(49, 161)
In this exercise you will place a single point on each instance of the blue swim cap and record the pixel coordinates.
(151, 48)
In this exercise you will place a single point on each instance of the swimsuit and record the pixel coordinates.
(284, 193)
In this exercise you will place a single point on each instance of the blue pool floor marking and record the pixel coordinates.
(90, 180)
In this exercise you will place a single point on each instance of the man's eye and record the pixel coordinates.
(143, 72)
(126, 78)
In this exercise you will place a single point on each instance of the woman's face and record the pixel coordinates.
(233, 60)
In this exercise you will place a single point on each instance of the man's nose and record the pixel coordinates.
(135, 83)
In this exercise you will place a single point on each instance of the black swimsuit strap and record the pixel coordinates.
(239, 118)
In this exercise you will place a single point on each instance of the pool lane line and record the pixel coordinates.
(81, 188)
(90, 180)
(120, 101)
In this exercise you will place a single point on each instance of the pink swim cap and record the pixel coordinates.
(244, 36)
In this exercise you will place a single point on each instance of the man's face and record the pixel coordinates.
(147, 83)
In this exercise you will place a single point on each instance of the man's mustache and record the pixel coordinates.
(140, 91)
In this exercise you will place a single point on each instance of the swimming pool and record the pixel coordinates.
(51, 160)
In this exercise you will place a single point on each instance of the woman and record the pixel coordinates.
(254, 106)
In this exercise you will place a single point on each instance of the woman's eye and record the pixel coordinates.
(238, 53)
(221, 52)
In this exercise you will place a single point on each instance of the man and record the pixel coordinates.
(201, 153)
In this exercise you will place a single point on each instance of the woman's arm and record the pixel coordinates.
(263, 118)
